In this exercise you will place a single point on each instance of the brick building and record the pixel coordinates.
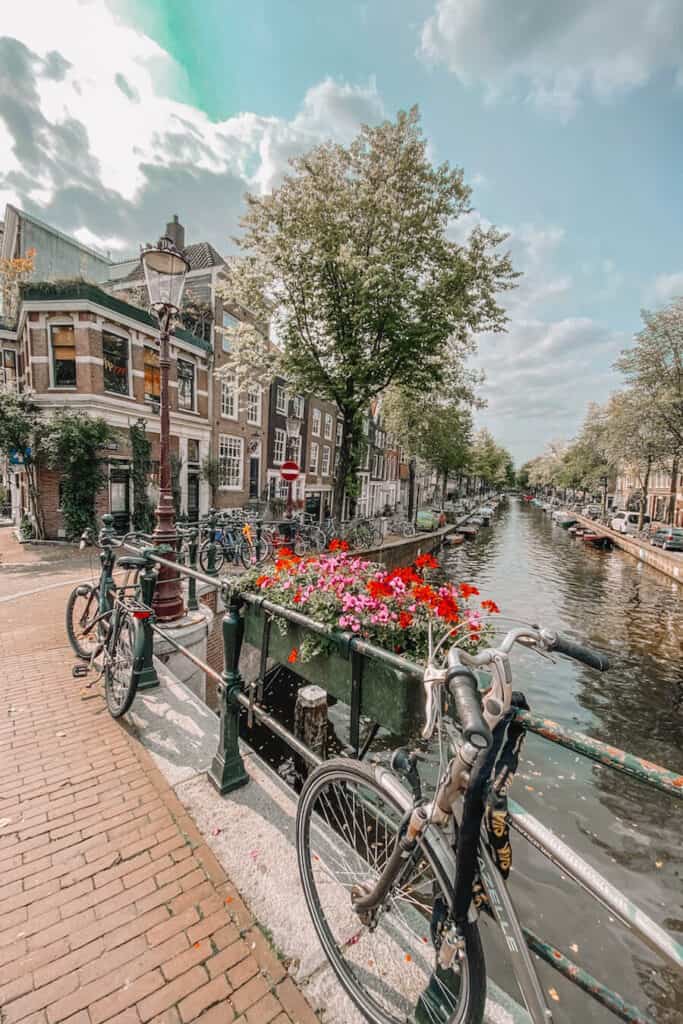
(321, 445)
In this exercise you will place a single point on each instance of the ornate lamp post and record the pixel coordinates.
(165, 269)
(293, 422)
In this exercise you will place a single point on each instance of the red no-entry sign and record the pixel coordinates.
(289, 471)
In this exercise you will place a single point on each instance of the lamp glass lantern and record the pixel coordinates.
(293, 421)
(165, 271)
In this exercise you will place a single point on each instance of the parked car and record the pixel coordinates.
(669, 538)
(592, 511)
(627, 522)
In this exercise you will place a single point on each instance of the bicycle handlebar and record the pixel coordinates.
(594, 659)
(462, 685)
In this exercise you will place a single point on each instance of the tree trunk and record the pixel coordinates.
(34, 500)
(445, 487)
(411, 490)
(646, 485)
(673, 490)
(345, 463)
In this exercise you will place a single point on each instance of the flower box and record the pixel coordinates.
(387, 695)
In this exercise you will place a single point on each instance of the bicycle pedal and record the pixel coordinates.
(80, 671)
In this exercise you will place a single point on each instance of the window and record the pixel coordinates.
(185, 385)
(279, 446)
(230, 323)
(366, 425)
(282, 487)
(9, 368)
(152, 377)
(254, 405)
(192, 450)
(298, 406)
(328, 427)
(313, 467)
(230, 462)
(63, 357)
(326, 461)
(340, 429)
(315, 425)
(295, 449)
(375, 463)
(229, 398)
(115, 358)
(281, 400)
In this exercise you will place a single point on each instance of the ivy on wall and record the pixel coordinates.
(73, 446)
(141, 466)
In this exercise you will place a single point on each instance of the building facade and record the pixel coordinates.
(628, 493)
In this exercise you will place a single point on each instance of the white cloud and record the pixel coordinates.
(668, 286)
(91, 143)
(553, 54)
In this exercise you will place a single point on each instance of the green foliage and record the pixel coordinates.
(72, 446)
(353, 261)
(21, 428)
(197, 316)
(26, 528)
(210, 472)
(141, 465)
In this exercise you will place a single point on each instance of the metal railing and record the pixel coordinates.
(227, 771)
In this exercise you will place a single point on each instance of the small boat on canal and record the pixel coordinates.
(597, 540)
(469, 531)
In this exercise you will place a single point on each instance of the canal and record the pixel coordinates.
(536, 572)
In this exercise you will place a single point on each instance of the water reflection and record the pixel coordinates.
(539, 573)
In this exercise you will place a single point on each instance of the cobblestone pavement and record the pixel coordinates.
(112, 908)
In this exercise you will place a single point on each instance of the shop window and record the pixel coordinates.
(63, 356)
(115, 359)
(185, 385)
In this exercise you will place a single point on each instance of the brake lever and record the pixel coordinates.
(433, 679)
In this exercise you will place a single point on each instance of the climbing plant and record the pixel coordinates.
(73, 446)
(211, 473)
(141, 465)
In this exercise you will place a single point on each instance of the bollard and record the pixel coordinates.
(310, 719)
(147, 676)
(227, 768)
(192, 548)
(211, 550)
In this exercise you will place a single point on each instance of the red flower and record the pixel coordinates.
(425, 595)
(338, 545)
(376, 589)
(426, 562)
(293, 655)
(405, 573)
(405, 619)
(260, 580)
(447, 609)
(490, 606)
(285, 552)
(297, 597)
(467, 590)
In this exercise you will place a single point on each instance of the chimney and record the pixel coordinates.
(176, 232)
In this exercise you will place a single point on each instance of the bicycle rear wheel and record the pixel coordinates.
(120, 675)
(346, 827)
(82, 608)
(204, 557)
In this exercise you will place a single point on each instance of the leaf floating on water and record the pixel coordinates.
(574, 948)
(552, 992)
(659, 863)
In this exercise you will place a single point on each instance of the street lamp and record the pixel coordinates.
(293, 424)
(165, 269)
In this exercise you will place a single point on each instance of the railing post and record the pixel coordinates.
(107, 559)
(227, 768)
(147, 677)
(193, 547)
(211, 550)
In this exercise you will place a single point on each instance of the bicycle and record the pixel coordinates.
(401, 527)
(395, 885)
(233, 541)
(115, 634)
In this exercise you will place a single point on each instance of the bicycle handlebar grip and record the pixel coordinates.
(462, 684)
(594, 659)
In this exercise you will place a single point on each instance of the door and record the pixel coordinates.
(254, 467)
(120, 499)
(193, 497)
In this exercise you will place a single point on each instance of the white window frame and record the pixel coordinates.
(315, 422)
(254, 396)
(281, 399)
(325, 466)
(313, 465)
(298, 403)
(228, 327)
(279, 445)
(340, 431)
(295, 449)
(328, 427)
(226, 441)
(193, 407)
(229, 399)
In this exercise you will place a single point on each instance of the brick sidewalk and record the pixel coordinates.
(112, 908)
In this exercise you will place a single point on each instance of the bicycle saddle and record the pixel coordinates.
(131, 562)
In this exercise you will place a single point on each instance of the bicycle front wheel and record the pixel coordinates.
(253, 553)
(82, 608)
(219, 559)
(120, 676)
(346, 827)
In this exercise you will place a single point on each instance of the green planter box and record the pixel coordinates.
(388, 696)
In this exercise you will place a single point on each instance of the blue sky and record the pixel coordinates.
(565, 117)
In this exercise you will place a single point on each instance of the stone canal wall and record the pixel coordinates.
(667, 562)
(404, 550)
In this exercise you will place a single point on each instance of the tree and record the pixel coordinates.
(210, 471)
(492, 464)
(22, 431)
(196, 316)
(634, 437)
(72, 444)
(13, 272)
(351, 262)
(655, 367)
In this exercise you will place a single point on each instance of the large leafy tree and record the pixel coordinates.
(23, 432)
(353, 262)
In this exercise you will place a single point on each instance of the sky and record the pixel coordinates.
(566, 118)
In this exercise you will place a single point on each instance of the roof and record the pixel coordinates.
(44, 291)
(97, 253)
(200, 256)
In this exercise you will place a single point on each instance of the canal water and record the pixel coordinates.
(632, 834)
(537, 572)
